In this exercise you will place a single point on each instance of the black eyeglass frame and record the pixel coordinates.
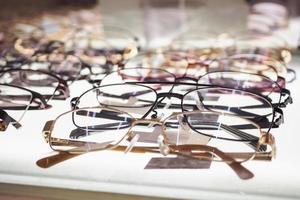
(275, 122)
(62, 86)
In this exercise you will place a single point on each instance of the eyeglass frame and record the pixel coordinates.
(62, 86)
(164, 148)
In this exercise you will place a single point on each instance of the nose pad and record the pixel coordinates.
(164, 149)
(199, 104)
(279, 119)
(183, 125)
(162, 114)
(133, 138)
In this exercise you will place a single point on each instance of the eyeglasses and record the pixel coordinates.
(80, 130)
(142, 100)
(20, 100)
(114, 44)
(189, 64)
(279, 97)
(67, 66)
(250, 82)
(47, 84)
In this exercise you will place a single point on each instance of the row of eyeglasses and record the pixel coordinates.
(215, 102)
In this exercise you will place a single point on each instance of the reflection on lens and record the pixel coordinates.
(132, 98)
(37, 81)
(228, 133)
(227, 100)
(238, 80)
(14, 97)
(17, 100)
(97, 127)
(233, 101)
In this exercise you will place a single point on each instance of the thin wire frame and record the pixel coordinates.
(255, 83)
(156, 102)
(58, 87)
(143, 74)
(164, 147)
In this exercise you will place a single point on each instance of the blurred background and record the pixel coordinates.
(156, 22)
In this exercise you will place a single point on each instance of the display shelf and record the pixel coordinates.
(124, 174)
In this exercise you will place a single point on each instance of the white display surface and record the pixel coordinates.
(116, 172)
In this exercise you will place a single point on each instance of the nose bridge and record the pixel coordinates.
(147, 122)
(169, 94)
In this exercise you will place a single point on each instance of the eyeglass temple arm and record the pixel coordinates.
(266, 139)
(5, 120)
(63, 90)
(62, 156)
(237, 167)
(243, 135)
